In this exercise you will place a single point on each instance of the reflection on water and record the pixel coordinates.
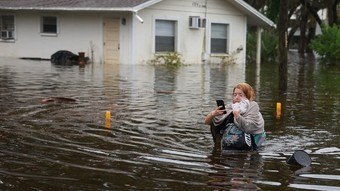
(155, 138)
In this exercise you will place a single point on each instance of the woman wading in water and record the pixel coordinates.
(241, 117)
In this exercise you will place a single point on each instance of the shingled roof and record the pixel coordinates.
(70, 4)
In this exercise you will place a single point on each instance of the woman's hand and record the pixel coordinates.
(236, 113)
(211, 115)
(218, 111)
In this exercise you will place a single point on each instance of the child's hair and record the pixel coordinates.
(247, 90)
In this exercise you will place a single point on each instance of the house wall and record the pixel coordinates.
(77, 32)
(192, 42)
(83, 32)
(126, 38)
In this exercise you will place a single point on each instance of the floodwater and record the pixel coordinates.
(155, 138)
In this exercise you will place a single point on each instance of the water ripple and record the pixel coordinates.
(155, 138)
(314, 187)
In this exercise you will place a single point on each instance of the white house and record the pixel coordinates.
(127, 31)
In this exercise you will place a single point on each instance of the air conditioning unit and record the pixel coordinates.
(194, 22)
(6, 34)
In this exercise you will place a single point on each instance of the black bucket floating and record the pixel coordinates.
(300, 158)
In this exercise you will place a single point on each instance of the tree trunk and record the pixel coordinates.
(303, 23)
(332, 12)
(310, 37)
(312, 10)
(283, 57)
(291, 35)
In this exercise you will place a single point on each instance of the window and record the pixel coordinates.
(219, 38)
(49, 25)
(165, 36)
(7, 27)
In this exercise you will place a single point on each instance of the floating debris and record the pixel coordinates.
(58, 100)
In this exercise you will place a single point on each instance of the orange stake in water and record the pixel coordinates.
(278, 109)
(108, 115)
(108, 119)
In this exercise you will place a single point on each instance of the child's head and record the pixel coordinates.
(242, 91)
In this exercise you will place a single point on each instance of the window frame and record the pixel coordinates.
(13, 30)
(227, 39)
(42, 25)
(177, 38)
(173, 37)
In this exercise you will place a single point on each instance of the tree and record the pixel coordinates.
(283, 45)
(306, 18)
(332, 12)
(303, 23)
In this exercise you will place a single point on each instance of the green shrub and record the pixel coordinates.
(327, 45)
(269, 45)
(251, 46)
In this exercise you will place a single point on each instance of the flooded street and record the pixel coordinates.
(156, 139)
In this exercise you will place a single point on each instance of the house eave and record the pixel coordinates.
(254, 17)
(145, 5)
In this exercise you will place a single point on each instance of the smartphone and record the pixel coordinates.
(221, 103)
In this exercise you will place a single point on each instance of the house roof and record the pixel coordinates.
(254, 17)
(109, 5)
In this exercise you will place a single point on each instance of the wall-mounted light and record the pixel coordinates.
(123, 21)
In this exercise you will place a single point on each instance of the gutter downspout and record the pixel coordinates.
(135, 13)
(133, 35)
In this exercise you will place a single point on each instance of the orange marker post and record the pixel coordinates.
(108, 119)
(108, 115)
(278, 109)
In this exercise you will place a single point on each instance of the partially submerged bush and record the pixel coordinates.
(327, 45)
(169, 59)
(230, 58)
